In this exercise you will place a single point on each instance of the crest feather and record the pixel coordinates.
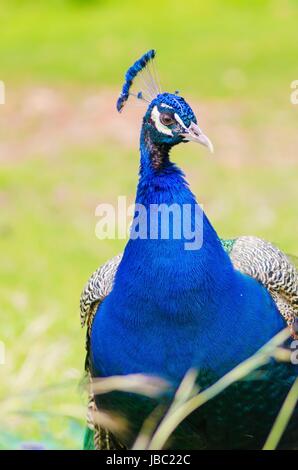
(144, 68)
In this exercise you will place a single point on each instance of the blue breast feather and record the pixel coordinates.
(171, 309)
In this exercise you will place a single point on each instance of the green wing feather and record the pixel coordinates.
(89, 439)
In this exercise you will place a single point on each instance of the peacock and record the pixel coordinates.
(160, 309)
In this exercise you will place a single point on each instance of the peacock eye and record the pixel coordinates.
(167, 119)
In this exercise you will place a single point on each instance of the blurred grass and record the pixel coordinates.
(228, 51)
(188, 398)
(283, 418)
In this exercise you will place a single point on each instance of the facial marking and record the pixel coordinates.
(178, 119)
(159, 126)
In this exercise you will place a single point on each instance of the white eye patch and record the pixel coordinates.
(159, 126)
(178, 119)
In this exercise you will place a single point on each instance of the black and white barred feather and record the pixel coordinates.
(97, 288)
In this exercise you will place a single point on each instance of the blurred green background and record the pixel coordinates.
(64, 150)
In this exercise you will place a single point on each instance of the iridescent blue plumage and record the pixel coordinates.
(173, 309)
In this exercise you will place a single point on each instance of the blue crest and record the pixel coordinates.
(149, 80)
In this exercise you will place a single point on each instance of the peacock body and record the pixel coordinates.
(160, 309)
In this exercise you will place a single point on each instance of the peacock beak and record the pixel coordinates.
(194, 133)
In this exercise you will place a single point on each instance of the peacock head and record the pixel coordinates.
(169, 119)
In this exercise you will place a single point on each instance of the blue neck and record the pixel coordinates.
(160, 180)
